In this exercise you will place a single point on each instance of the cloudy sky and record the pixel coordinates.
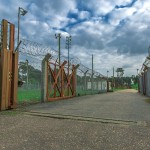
(116, 32)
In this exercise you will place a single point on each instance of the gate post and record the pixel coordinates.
(14, 87)
(74, 82)
(8, 67)
(44, 85)
(3, 65)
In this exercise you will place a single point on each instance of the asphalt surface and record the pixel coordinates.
(126, 105)
(113, 121)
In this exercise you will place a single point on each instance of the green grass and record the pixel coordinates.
(118, 89)
(86, 92)
(29, 95)
(134, 86)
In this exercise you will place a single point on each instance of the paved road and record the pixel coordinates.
(113, 121)
(126, 105)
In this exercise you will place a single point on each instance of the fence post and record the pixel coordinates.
(75, 78)
(44, 79)
(85, 82)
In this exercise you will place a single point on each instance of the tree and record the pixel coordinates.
(33, 74)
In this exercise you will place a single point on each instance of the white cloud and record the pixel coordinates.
(121, 2)
(84, 15)
(121, 14)
(105, 60)
(120, 39)
(99, 6)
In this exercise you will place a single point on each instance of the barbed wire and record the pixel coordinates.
(145, 64)
(34, 49)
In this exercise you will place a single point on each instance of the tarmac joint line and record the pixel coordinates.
(88, 119)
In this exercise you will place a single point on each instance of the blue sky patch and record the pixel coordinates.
(72, 15)
(105, 18)
(128, 5)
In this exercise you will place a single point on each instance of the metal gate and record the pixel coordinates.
(8, 67)
(58, 82)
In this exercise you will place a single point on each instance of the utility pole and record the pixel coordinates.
(68, 45)
(58, 36)
(113, 77)
(92, 75)
(27, 63)
(107, 82)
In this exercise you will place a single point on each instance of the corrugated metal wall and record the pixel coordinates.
(144, 83)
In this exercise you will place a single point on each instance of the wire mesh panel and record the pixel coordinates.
(31, 55)
(88, 84)
(29, 78)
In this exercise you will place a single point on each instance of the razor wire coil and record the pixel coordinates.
(34, 49)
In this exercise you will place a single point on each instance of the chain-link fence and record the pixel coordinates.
(88, 84)
(31, 55)
(29, 78)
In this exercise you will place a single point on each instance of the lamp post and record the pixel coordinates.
(58, 36)
(22, 12)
